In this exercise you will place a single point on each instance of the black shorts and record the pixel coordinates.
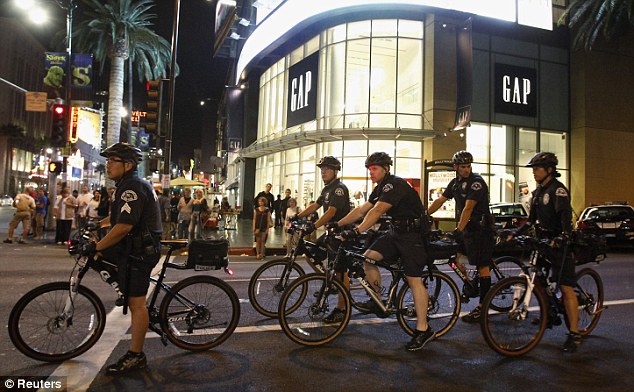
(568, 277)
(408, 247)
(478, 247)
(140, 270)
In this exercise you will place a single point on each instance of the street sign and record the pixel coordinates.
(35, 101)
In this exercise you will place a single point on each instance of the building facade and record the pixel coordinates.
(385, 78)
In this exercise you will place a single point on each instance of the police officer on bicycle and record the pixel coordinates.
(551, 215)
(475, 222)
(395, 197)
(335, 199)
(133, 243)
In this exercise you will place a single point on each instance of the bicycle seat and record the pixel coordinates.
(175, 244)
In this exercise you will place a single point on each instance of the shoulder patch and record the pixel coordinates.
(129, 196)
(476, 186)
(339, 192)
(561, 192)
(388, 187)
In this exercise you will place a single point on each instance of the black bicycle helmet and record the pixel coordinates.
(125, 151)
(462, 158)
(543, 159)
(378, 159)
(329, 161)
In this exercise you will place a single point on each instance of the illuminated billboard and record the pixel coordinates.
(85, 125)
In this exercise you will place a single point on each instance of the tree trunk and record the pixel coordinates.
(115, 100)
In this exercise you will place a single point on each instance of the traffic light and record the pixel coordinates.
(153, 115)
(54, 167)
(59, 131)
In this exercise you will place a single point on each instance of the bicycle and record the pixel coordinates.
(507, 325)
(310, 298)
(269, 281)
(444, 251)
(61, 320)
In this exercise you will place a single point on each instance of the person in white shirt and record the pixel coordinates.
(93, 205)
(83, 199)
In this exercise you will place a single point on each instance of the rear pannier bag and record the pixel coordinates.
(209, 254)
(588, 248)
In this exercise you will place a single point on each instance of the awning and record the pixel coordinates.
(233, 185)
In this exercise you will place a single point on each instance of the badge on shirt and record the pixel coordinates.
(476, 186)
(387, 188)
(129, 196)
(464, 186)
(546, 199)
(339, 192)
(561, 192)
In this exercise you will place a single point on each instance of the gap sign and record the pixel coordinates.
(515, 90)
(302, 91)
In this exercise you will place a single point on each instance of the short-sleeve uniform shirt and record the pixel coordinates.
(400, 195)
(136, 203)
(471, 188)
(336, 195)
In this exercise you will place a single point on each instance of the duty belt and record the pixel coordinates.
(407, 225)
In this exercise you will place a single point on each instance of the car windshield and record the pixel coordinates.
(611, 213)
(508, 210)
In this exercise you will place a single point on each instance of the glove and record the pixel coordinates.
(310, 227)
(349, 234)
(88, 249)
(332, 226)
(458, 236)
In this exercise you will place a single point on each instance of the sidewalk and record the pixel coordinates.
(240, 239)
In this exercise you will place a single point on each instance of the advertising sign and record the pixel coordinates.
(85, 125)
(437, 181)
(302, 91)
(515, 90)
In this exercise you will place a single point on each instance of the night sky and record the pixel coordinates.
(201, 76)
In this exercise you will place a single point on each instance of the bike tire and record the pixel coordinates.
(36, 333)
(269, 282)
(443, 308)
(514, 330)
(589, 292)
(301, 315)
(199, 313)
(505, 267)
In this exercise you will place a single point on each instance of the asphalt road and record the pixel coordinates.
(368, 356)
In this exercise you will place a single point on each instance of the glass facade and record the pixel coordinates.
(371, 77)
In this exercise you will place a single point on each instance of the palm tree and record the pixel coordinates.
(611, 18)
(117, 31)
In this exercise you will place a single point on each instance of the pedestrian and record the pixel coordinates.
(393, 196)
(133, 243)
(184, 213)
(475, 229)
(551, 215)
(164, 204)
(261, 222)
(82, 201)
(284, 204)
(25, 207)
(277, 209)
(335, 200)
(41, 204)
(199, 209)
(64, 212)
(92, 210)
(291, 211)
(266, 193)
(174, 214)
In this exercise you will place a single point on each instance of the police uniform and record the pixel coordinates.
(478, 234)
(552, 214)
(335, 194)
(405, 241)
(136, 203)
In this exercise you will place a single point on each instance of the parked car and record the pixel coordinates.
(508, 215)
(613, 220)
(6, 201)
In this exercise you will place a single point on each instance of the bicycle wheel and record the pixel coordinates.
(589, 291)
(199, 313)
(444, 304)
(310, 302)
(39, 329)
(505, 266)
(269, 282)
(517, 328)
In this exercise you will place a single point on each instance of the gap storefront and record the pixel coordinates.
(372, 80)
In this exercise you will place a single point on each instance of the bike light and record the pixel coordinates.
(228, 271)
